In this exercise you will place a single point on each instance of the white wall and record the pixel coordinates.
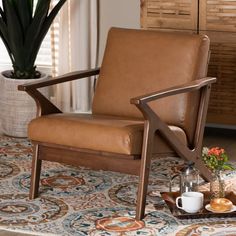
(119, 13)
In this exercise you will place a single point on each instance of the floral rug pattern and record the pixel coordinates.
(79, 201)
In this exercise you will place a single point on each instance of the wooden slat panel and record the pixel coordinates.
(217, 19)
(223, 66)
(218, 15)
(178, 14)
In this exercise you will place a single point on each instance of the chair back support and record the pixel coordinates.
(137, 62)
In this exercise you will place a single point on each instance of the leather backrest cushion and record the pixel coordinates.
(137, 62)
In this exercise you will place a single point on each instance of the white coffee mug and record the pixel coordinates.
(192, 202)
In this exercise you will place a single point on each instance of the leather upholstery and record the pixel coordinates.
(94, 132)
(142, 61)
(136, 62)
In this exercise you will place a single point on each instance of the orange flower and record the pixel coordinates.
(216, 151)
(216, 159)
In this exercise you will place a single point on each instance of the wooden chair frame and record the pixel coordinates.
(138, 165)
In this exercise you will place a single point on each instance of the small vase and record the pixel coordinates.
(217, 185)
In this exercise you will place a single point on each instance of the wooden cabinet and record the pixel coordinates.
(217, 19)
(169, 14)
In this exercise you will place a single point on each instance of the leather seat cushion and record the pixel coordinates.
(95, 132)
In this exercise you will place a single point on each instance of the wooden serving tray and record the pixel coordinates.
(169, 198)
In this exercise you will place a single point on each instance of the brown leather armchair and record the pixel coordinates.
(151, 98)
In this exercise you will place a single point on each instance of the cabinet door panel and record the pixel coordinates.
(222, 106)
(169, 14)
(217, 15)
(217, 19)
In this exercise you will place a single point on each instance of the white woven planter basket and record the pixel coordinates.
(17, 108)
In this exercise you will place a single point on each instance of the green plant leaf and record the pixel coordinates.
(4, 5)
(3, 29)
(39, 17)
(55, 11)
(14, 32)
(2, 15)
(4, 37)
(228, 166)
(32, 39)
(25, 11)
(44, 29)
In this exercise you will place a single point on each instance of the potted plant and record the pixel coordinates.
(23, 26)
(216, 159)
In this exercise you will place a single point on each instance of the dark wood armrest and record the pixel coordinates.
(60, 79)
(184, 88)
(44, 106)
(153, 122)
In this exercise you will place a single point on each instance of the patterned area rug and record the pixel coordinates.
(79, 201)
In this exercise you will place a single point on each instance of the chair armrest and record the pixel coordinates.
(184, 88)
(60, 79)
(44, 106)
(154, 123)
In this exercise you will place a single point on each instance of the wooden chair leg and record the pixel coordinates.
(35, 173)
(205, 173)
(144, 174)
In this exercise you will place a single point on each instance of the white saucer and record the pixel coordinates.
(208, 207)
